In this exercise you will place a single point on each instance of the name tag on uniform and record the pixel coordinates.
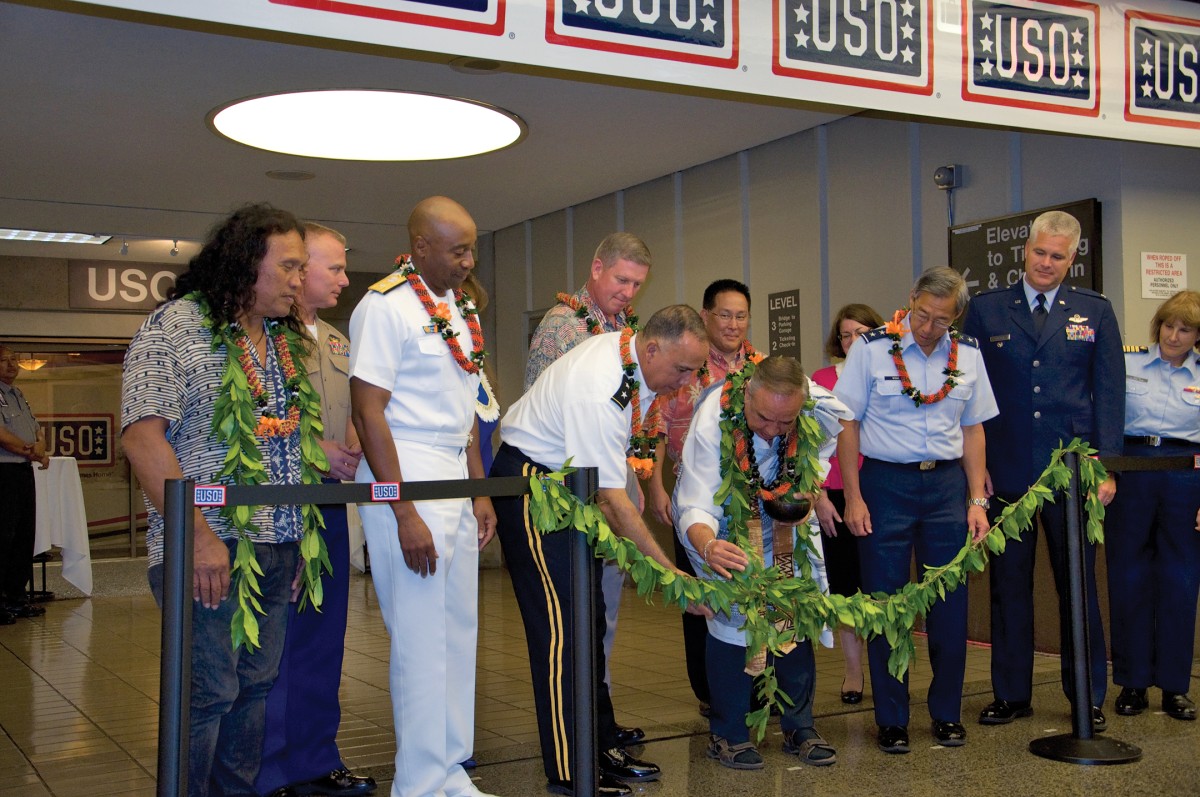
(1081, 332)
(1139, 378)
(999, 338)
(894, 377)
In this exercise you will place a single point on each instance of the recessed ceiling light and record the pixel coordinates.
(368, 125)
(52, 237)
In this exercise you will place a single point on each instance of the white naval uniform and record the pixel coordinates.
(432, 621)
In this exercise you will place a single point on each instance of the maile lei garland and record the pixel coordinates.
(236, 426)
(895, 329)
(593, 324)
(440, 316)
(767, 598)
(642, 440)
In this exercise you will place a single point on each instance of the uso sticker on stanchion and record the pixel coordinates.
(385, 491)
(1196, 462)
(209, 495)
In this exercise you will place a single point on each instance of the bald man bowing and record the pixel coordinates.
(414, 374)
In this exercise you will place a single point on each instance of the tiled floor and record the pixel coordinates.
(80, 691)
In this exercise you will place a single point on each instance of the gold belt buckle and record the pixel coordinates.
(928, 464)
(1153, 440)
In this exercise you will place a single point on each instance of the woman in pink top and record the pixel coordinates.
(841, 548)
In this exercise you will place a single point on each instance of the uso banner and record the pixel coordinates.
(1116, 70)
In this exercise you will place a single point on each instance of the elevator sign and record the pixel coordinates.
(783, 316)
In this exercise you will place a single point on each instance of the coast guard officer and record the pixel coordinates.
(1151, 537)
(919, 398)
(1054, 354)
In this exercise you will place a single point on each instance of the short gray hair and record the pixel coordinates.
(671, 323)
(943, 282)
(623, 246)
(1056, 222)
(780, 375)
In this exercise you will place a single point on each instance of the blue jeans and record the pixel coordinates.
(229, 688)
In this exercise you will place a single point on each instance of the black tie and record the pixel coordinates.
(1039, 313)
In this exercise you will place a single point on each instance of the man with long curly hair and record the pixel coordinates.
(239, 289)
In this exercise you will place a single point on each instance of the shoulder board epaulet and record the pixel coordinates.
(390, 281)
(1086, 292)
(624, 392)
(989, 291)
(875, 334)
(1136, 349)
(967, 340)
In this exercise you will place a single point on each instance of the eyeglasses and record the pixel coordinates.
(727, 316)
(855, 335)
(924, 319)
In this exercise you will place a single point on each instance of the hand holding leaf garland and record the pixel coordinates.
(766, 596)
(235, 425)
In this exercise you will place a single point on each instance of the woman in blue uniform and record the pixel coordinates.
(1153, 528)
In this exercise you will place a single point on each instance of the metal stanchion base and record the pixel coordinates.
(1097, 750)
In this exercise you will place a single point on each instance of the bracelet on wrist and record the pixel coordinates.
(983, 502)
(707, 545)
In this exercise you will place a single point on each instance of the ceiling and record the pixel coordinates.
(103, 130)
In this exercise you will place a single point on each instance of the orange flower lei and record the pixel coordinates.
(894, 330)
(268, 424)
(641, 445)
(582, 311)
(440, 316)
(743, 449)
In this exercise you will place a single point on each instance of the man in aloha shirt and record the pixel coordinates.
(169, 394)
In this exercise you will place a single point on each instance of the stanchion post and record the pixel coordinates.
(583, 483)
(1081, 746)
(175, 673)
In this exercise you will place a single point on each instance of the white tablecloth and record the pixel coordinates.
(62, 519)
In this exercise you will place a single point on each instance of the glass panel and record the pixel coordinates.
(74, 389)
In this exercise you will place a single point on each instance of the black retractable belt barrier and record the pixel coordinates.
(1082, 746)
(583, 576)
(178, 519)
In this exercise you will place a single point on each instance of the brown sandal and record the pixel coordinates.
(815, 751)
(734, 756)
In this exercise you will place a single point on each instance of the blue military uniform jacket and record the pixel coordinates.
(1067, 382)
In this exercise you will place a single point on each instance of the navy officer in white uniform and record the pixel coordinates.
(918, 419)
(1151, 536)
(581, 406)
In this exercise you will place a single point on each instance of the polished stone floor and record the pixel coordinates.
(80, 692)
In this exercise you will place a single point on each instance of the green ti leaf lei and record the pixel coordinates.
(766, 596)
(234, 424)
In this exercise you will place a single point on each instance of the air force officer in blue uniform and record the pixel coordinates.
(919, 400)
(1053, 353)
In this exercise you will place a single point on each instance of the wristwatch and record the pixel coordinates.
(983, 502)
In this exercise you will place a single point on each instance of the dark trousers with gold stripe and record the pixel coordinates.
(540, 568)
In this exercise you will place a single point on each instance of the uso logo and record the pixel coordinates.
(1040, 55)
(1162, 83)
(385, 491)
(209, 495)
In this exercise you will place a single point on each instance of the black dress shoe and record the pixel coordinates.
(1099, 721)
(338, 783)
(605, 787)
(1179, 706)
(1131, 702)
(949, 734)
(6, 617)
(893, 739)
(284, 791)
(24, 610)
(618, 764)
(628, 736)
(851, 697)
(1002, 712)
